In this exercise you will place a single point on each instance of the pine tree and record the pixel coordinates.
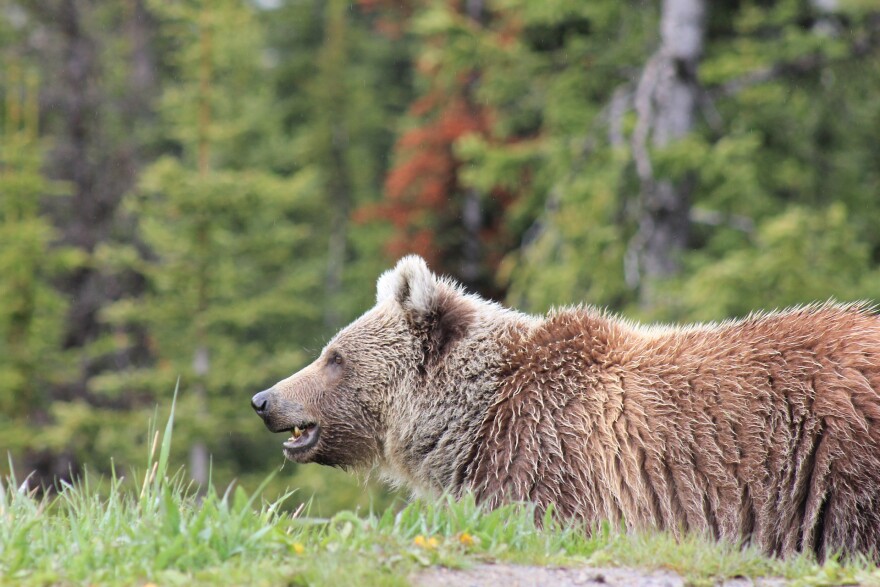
(232, 267)
(342, 88)
(32, 312)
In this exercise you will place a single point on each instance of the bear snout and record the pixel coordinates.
(261, 403)
(279, 413)
(268, 406)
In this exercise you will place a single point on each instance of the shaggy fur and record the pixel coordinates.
(764, 430)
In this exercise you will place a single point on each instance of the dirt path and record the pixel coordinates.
(504, 575)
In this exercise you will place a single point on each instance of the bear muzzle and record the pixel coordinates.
(283, 415)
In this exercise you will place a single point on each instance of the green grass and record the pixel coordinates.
(157, 530)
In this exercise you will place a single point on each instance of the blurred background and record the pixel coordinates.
(208, 189)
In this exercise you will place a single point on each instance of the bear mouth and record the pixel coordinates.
(302, 438)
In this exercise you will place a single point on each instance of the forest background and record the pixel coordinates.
(208, 189)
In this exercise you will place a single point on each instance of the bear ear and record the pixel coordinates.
(412, 285)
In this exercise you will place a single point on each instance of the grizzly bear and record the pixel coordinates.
(764, 430)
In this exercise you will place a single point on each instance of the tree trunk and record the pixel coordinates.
(199, 458)
(198, 452)
(97, 161)
(666, 101)
(75, 161)
(94, 158)
(471, 210)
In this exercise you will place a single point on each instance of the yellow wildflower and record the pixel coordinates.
(429, 543)
(297, 547)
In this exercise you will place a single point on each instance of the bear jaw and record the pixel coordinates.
(301, 441)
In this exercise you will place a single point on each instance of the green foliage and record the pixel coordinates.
(31, 310)
(779, 163)
(216, 307)
(798, 257)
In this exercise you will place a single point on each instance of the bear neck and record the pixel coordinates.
(431, 447)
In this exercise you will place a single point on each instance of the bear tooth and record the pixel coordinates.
(297, 432)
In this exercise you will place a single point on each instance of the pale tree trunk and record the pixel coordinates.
(199, 457)
(471, 220)
(666, 102)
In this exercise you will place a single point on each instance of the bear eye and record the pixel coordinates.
(335, 358)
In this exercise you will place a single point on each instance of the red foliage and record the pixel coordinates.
(424, 197)
(422, 189)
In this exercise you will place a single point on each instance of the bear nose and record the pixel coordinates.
(260, 402)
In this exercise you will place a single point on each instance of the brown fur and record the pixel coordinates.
(765, 430)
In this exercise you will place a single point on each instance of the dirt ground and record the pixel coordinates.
(489, 575)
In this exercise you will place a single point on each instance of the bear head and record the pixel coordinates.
(337, 409)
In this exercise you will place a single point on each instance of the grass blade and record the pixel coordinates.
(165, 450)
